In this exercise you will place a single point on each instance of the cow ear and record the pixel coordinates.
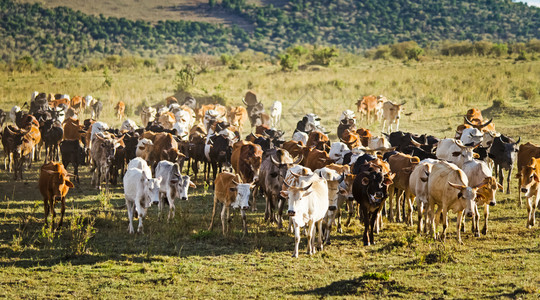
(535, 178)
(284, 194)
(456, 153)
(460, 195)
(192, 185)
(50, 172)
(232, 189)
(342, 192)
(69, 183)
(365, 181)
(388, 181)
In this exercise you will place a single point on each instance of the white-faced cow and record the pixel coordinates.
(174, 185)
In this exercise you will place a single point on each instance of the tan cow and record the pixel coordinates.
(120, 109)
(530, 178)
(525, 153)
(237, 116)
(54, 185)
(167, 120)
(229, 191)
(391, 114)
(402, 165)
(369, 106)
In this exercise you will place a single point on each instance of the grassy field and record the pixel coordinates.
(94, 256)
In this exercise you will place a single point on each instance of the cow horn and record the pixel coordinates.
(70, 175)
(342, 177)
(286, 184)
(427, 173)
(235, 182)
(468, 122)
(298, 159)
(342, 140)
(295, 174)
(274, 161)
(307, 187)
(244, 100)
(487, 123)
(402, 103)
(415, 143)
(519, 140)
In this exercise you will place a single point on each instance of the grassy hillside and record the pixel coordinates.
(93, 256)
(66, 37)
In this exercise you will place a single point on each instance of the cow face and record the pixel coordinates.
(295, 195)
(59, 182)
(468, 194)
(376, 186)
(242, 196)
(486, 194)
(182, 185)
(151, 191)
(529, 176)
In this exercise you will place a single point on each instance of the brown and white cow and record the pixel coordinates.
(229, 190)
(246, 160)
(402, 165)
(102, 153)
(120, 109)
(54, 185)
(237, 116)
(530, 179)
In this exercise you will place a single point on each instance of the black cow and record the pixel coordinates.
(190, 102)
(419, 152)
(130, 141)
(73, 152)
(196, 152)
(401, 140)
(361, 161)
(503, 152)
(370, 190)
(51, 135)
(97, 107)
(219, 154)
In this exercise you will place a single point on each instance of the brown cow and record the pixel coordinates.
(72, 129)
(295, 148)
(54, 186)
(351, 139)
(369, 106)
(167, 120)
(317, 159)
(365, 136)
(474, 118)
(525, 153)
(102, 153)
(530, 175)
(120, 109)
(170, 100)
(229, 190)
(165, 148)
(77, 103)
(246, 160)
(402, 165)
(237, 116)
(318, 140)
(58, 102)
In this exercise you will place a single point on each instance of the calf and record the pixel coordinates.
(97, 107)
(530, 178)
(246, 160)
(448, 190)
(503, 152)
(418, 186)
(402, 165)
(308, 204)
(173, 184)
(140, 191)
(525, 153)
(120, 109)
(231, 193)
(391, 114)
(54, 185)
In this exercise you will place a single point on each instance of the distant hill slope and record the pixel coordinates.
(65, 36)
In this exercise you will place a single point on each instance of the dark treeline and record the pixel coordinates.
(65, 37)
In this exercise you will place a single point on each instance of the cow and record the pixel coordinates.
(128, 126)
(218, 151)
(51, 135)
(525, 153)
(72, 129)
(102, 153)
(391, 114)
(369, 106)
(454, 151)
(140, 191)
(73, 152)
(337, 152)
(3, 116)
(370, 190)
(275, 114)
(345, 124)
(448, 190)
(237, 116)
(418, 186)
(318, 140)
(148, 114)
(333, 178)
(309, 123)
(479, 173)
(246, 160)
(487, 126)
(170, 100)
(119, 109)
(229, 190)
(58, 102)
(316, 159)
(167, 120)
(165, 147)
(271, 175)
(402, 165)
(503, 152)
(29, 138)
(173, 185)
(530, 177)
(308, 204)
(471, 136)
(11, 141)
(196, 147)
(254, 109)
(96, 110)
(350, 138)
(300, 137)
(190, 102)
(54, 185)
(77, 103)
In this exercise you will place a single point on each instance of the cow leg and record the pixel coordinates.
(350, 212)
(407, 197)
(444, 221)
(254, 197)
(310, 232)
(383, 125)
(366, 227)
(140, 228)
(398, 196)
(486, 215)
(519, 190)
(508, 180)
(372, 221)
(281, 203)
(501, 178)
(459, 216)
(391, 196)
(244, 221)
(46, 206)
(224, 217)
(296, 240)
(62, 211)
(338, 217)
(330, 217)
(53, 214)
(172, 208)
(130, 206)
(420, 207)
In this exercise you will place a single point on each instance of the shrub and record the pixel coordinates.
(185, 78)
(499, 50)
(288, 62)
(323, 56)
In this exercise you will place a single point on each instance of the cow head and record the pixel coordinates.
(295, 193)
(242, 191)
(486, 193)
(151, 193)
(332, 179)
(530, 176)
(374, 184)
(468, 194)
(181, 183)
(504, 151)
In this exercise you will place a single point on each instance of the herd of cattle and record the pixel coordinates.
(315, 176)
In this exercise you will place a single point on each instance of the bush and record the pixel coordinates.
(499, 50)
(288, 62)
(323, 56)
(185, 78)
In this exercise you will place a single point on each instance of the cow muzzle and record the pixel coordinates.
(291, 213)
(492, 203)
(469, 214)
(245, 207)
(184, 198)
(332, 208)
(524, 190)
(350, 198)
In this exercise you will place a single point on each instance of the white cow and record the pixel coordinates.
(337, 151)
(376, 142)
(308, 204)
(13, 113)
(182, 130)
(129, 125)
(300, 136)
(140, 191)
(418, 186)
(173, 186)
(348, 115)
(333, 179)
(448, 190)
(148, 114)
(275, 114)
(144, 148)
(454, 151)
(471, 136)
